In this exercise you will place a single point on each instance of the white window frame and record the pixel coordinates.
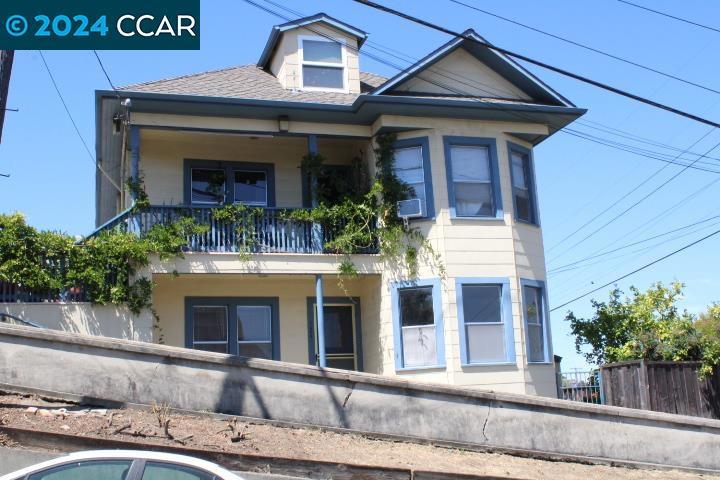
(302, 62)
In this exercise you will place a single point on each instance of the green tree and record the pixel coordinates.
(645, 325)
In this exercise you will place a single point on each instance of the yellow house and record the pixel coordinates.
(466, 120)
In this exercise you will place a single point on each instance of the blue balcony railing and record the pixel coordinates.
(269, 232)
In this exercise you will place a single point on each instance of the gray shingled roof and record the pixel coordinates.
(248, 81)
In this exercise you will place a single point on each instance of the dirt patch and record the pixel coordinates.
(163, 427)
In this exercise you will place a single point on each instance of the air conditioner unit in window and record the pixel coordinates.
(412, 208)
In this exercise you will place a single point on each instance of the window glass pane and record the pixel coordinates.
(254, 323)
(91, 470)
(518, 170)
(408, 158)
(522, 205)
(255, 350)
(322, 77)
(209, 324)
(536, 348)
(481, 303)
(166, 471)
(534, 318)
(339, 334)
(416, 306)
(473, 199)
(411, 176)
(532, 305)
(419, 346)
(485, 343)
(320, 51)
(470, 164)
(211, 347)
(207, 185)
(251, 187)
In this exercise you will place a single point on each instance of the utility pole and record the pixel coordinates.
(6, 63)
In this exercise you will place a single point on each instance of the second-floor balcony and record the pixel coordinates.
(261, 230)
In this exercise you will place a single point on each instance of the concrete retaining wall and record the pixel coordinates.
(136, 372)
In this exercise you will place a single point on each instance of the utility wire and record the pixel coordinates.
(586, 47)
(649, 239)
(658, 12)
(648, 265)
(102, 67)
(639, 151)
(643, 198)
(72, 120)
(539, 63)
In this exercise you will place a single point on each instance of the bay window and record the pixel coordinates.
(418, 328)
(412, 166)
(485, 321)
(523, 184)
(472, 177)
(536, 322)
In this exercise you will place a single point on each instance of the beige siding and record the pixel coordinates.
(461, 72)
(292, 292)
(285, 64)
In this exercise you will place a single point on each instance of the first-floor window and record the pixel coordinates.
(485, 332)
(210, 328)
(419, 327)
(239, 326)
(254, 331)
(534, 322)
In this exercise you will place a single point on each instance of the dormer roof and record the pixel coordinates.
(321, 18)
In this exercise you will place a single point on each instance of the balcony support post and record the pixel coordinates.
(134, 155)
(134, 221)
(317, 245)
(321, 360)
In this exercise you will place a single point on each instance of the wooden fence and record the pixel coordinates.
(671, 387)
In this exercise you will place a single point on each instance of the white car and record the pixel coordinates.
(123, 465)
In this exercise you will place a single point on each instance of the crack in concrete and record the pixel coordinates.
(486, 422)
(347, 397)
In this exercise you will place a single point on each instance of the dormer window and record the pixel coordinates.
(323, 64)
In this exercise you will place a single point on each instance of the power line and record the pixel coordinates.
(648, 265)
(72, 120)
(608, 252)
(717, 30)
(102, 67)
(645, 197)
(639, 151)
(586, 47)
(539, 63)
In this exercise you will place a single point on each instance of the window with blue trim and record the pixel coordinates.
(210, 182)
(523, 185)
(248, 327)
(473, 177)
(535, 316)
(417, 313)
(485, 321)
(412, 166)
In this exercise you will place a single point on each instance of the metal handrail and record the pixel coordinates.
(4, 315)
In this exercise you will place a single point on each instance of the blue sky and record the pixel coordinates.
(52, 178)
